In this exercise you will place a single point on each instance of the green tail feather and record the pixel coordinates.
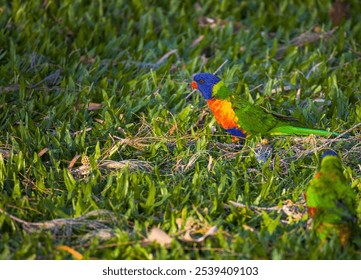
(301, 131)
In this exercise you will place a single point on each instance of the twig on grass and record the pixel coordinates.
(290, 209)
(94, 220)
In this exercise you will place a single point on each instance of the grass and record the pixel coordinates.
(103, 157)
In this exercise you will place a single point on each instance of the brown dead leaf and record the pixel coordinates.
(43, 151)
(73, 161)
(210, 232)
(197, 41)
(100, 121)
(159, 236)
(190, 223)
(187, 237)
(172, 129)
(94, 106)
(179, 222)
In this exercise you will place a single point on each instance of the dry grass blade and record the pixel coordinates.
(43, 151)
(197, 41)
(290, 209)
(165, 57)
(184, 167)
(132, 164)
(73, 161)
(138, 143)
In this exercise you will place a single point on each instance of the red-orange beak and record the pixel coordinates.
(194, 85)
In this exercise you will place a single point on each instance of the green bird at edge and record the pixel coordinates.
(331, 202)
(241, 118)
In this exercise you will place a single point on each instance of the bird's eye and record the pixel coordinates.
(201, 81)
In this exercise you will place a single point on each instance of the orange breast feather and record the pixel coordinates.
(223, 112)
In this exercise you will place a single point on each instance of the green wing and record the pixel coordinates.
(256, 120)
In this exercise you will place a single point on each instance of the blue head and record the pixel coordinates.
(205, 82)
(328, 153)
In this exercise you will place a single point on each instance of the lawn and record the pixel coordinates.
(105, 154)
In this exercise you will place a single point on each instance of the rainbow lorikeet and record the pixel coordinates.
(241, 118)
(330, 200)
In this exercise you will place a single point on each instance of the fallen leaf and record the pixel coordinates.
(100, 121)
(43, 151)
(172, 129)
(197, 41)
(73, 161)
(179, 222)
(187, 237)
(159, 236)
(210, 232)
(94, 106)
